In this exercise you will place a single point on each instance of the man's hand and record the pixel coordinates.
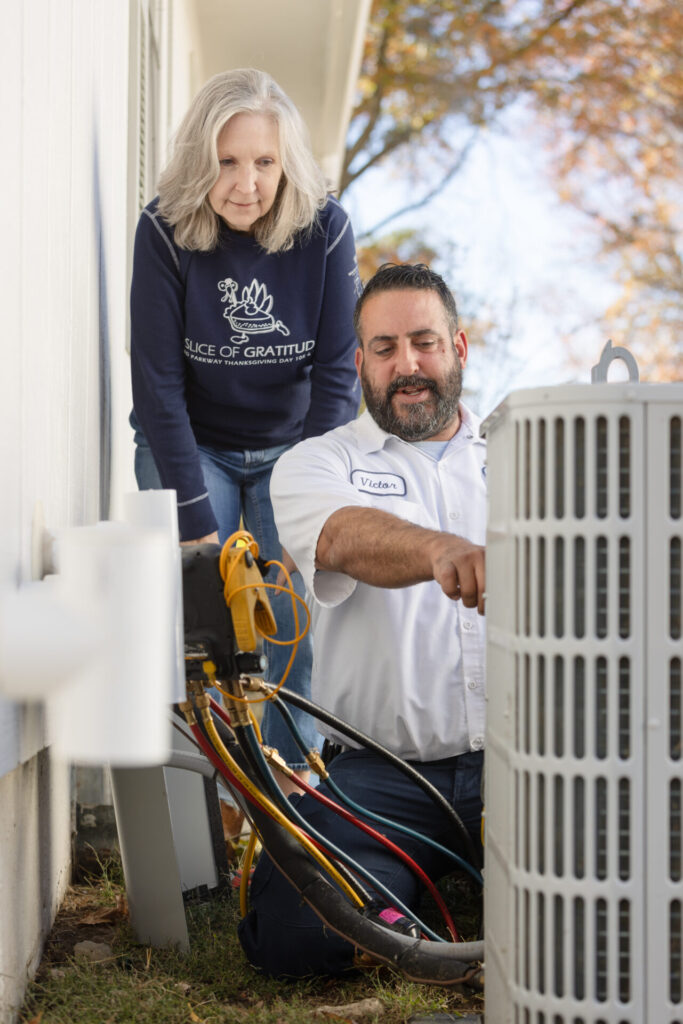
(458, 568)
(289, 565)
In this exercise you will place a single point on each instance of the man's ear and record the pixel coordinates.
(359, 359)
(461, 345)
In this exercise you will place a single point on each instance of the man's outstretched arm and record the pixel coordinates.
(378, 548)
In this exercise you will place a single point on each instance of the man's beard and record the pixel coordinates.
(422, 420)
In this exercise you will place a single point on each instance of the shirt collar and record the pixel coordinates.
(371, 437)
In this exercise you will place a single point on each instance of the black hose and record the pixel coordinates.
(418, 959)
(403, 766)
(256, 768)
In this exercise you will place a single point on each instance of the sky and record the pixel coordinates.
(517, 251)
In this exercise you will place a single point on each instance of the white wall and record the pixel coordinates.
(63, 265)
(34, 869)
(89, 91)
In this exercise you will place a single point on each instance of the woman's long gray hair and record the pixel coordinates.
(193, 168)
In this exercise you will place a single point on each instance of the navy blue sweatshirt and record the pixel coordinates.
(238, 348)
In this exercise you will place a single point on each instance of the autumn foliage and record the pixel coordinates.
(603, 82)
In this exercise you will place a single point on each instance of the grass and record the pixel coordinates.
(213, 983)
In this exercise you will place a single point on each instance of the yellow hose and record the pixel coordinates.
(246, 868)
(272, 809)
(247, 544)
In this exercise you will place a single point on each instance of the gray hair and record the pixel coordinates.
(193, 168)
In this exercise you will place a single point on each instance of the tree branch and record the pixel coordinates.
(374, 110)
(427, 198)
(398, 139)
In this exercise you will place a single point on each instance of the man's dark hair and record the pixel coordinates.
(400, 276)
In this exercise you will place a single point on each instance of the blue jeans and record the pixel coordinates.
(281, 935)
(239, 488)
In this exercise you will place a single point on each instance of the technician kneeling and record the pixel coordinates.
(385, 518)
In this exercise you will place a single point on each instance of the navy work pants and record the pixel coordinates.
(281, 935)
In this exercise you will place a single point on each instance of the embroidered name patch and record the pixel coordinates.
(378, 483)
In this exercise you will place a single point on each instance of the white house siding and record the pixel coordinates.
(63, 267)
(34, 869)
(89, 93)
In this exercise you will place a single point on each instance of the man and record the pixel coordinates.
(385, 518)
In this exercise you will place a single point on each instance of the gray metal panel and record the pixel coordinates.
(190, 823)
(150, 865)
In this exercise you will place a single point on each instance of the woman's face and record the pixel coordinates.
(250, 170)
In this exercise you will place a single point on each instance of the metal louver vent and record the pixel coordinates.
(584, 841)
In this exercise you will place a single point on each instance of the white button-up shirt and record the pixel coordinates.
(404, 665)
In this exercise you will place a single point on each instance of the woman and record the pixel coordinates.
(242, 344)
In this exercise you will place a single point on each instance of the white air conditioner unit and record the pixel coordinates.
(584, 777)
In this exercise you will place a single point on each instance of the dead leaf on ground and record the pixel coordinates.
(107, 915)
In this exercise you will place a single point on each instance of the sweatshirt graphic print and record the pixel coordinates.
(238, 348)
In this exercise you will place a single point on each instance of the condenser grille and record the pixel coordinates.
(554, 714)
(579, 586)
(540, 945)
(624, 969)
(601, 587)
(517, 482)
(541, 587)
(558, 825)
(675, 848)
(601, 947)
(559, 469)
(527, 939)
(624, 832)
(540, 836)
(579, 834)
(601, 719)
(579, 730)
(579, 467)
(528, 461)
(675, 588)
(601, 827)
(518, 575)
(624, 467)
(624, 587)
(559, 940)
(541, 463)
(541, 704)
(601, 465)
(527, 586)
(558, 707)
(528, 819)
(675, 951)
(559, 586)
(585, 560)
(579, 947)
(675, 709)
(528, 703)
(554, 935)
(675, 463)
(624, 733)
